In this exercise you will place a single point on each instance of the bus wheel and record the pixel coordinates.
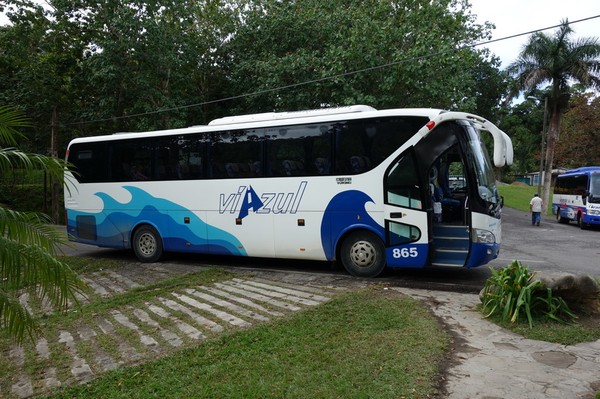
(580, 222)
(147, 244)
(559, 218)
(363, 254)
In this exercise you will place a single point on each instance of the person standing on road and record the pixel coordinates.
(535, 207)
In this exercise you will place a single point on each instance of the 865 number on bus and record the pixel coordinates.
(405, 253)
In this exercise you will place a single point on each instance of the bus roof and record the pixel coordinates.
(273, 119)
(271, 116)
(582, 170)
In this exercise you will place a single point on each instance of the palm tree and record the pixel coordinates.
(28, 244)
(558, 61)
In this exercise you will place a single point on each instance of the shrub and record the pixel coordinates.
(512, 292)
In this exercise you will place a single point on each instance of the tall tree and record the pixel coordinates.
(412, 53)
(580, 133)
(558, 61)
(28, 245)
(37, 71)
(144, 56)
(524, 121)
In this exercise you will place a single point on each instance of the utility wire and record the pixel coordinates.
(309, 82)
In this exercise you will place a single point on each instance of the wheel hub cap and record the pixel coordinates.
(362, 254)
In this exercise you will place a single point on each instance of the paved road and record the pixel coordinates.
(551, 247)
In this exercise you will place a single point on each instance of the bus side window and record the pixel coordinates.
(402, 184)
(322, 166)
(292, 168)
(359, 164)
(255, 168)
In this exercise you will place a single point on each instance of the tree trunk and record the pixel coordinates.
(552, 139)
(54, 189)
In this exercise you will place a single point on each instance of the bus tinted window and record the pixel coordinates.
(132, 160)
(347, 147)
(190, 162)
(90, 161)
(362, 145)
(301, 150)
(236, 153)
(573, 185)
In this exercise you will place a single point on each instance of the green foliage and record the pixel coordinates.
(524, 123)
(283, 44)
(511, 293)
(580, 133)
(28, 244)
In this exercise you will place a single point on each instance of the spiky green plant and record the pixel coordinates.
(511, 292)
(28, 245)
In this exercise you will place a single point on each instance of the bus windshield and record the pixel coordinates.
(594, 196)
(484, 173)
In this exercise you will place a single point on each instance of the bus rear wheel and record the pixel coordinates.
(363, 254)
(559, 218)
(147, 244)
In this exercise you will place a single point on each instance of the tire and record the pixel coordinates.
(363, 254)
(559, 218)
(580, 222)
(147, 244)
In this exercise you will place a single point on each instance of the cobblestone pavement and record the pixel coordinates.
(128, 335)
(488, 361)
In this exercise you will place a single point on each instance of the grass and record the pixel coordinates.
(564, 334)
(518, 197)
(369, 343)
(87, 265)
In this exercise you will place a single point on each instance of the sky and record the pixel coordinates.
(513, 17)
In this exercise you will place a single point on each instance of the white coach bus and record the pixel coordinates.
(364, 187)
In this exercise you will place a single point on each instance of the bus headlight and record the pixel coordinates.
(483, 236)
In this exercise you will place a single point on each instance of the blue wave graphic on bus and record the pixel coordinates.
(117, 219)
(346, 209)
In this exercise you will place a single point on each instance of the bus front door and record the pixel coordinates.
(406, 220)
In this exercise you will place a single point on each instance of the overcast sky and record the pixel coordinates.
(512, 17)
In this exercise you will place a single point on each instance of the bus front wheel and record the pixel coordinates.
(582, 225)
(147, 244)
(363, 254)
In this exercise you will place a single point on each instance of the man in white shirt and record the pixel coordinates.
(535, 207)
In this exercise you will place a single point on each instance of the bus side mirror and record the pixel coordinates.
(501, 202)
